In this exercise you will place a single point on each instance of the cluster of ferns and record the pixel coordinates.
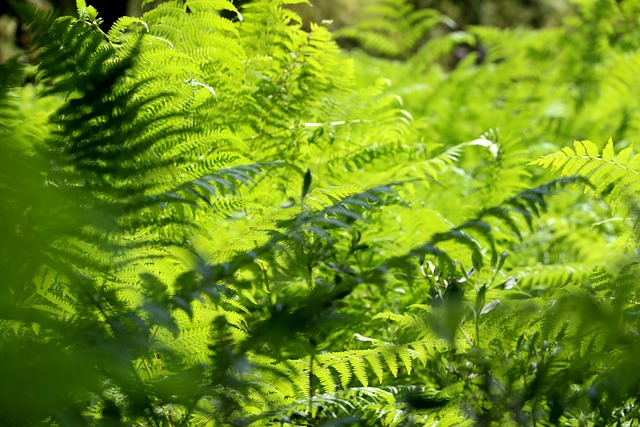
(214, 217)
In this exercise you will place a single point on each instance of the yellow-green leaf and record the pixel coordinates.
(376, 365)
(389, 357)
(580, 149)
(592, 149)
(624, 156)
(344, 372)
(359, 370)
(607, 153)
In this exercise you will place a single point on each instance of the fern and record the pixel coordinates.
(393, 28)
(215, 222)
(607, 171)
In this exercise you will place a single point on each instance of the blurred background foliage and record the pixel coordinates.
(501, 13)
(336, 14)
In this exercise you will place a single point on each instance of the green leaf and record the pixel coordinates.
(503, 258)
(376, 365)
(81, 5)
(359, 370)
(592, 149)
(326, 378)
(344, 372)
(624, 156)
(390, 358)
(306, 184)
(490, 306)
(607, 153)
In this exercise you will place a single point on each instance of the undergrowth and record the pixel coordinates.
(232, 222)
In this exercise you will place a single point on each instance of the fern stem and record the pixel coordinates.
(307, 125)
(310, 414)
(336, 123)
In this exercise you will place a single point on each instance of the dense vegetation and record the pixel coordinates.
(213, 222)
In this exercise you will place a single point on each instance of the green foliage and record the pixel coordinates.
(213, 222)
(615, 174)
(392, 28)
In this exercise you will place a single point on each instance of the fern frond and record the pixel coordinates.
(551, 276)
(437, 48)
(392, 27)
(526, 204)
(604, 169)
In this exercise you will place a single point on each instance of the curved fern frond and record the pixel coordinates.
(549, 276)
(527, 204)
(618, 174)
